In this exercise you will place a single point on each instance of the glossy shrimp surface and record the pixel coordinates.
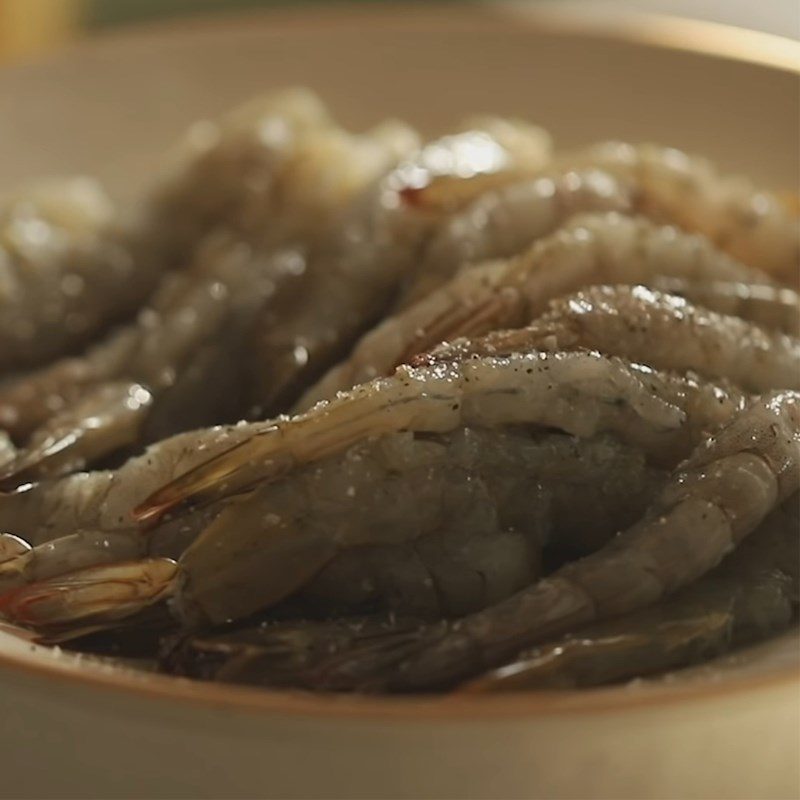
(185, 352)
(355, 271)
(591, 249)
(63, 256)
(754, 226)
(659, 329)
(380, 414)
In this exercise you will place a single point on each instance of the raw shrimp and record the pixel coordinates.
(280, 158)
(217, 300)
(754, 226)
(595, 248)
(28, 401)
(63, 258)
(492, 501)
(650, 327)
(102, 500)
(581, 393)
(715, 499)
(355, 271)
(563, 387)
(484, 504)
(773, 307)
(504, 222)
(179, 351)
(751, 595)
(7, 450)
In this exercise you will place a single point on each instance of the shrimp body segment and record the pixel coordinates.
(751, 595)
(591, 249)
(755, 227)
(715, 499)
(580, 393)
(651, 327)
(63, 258)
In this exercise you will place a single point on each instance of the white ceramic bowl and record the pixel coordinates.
(109, 107)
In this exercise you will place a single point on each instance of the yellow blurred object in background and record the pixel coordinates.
(29, 27)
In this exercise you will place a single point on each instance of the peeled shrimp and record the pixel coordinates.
(596, 248)
(267, 171)
(751, 595)
(504, 222)
(356, 269)
(754, 226)
(184, 349)
(62, 261)
(715, 499)
(651, 327)
(772, 307)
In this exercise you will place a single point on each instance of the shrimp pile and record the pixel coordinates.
(381, 414)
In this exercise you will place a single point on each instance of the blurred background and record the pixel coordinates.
(31, 27)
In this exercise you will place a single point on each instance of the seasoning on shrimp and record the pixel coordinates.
(595, 248)
(566, 453)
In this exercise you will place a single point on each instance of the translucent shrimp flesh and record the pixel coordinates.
(751, 595)
(582, 394)
(184, 349)
(63, 257)
(647, 326)
(772, 307)
(355, 271)
(714, 501)
(754, 226)
(591, 249)
(504, 222)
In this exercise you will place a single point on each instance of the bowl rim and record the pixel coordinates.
(571, 18)
(649, 30)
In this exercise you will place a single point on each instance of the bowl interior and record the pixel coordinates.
(112, 107)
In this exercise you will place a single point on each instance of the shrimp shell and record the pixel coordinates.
(479, 391)
(580, 393)
(102, 500)
(355, 269)
(750, 596)
(263, 161)
(179, 350)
